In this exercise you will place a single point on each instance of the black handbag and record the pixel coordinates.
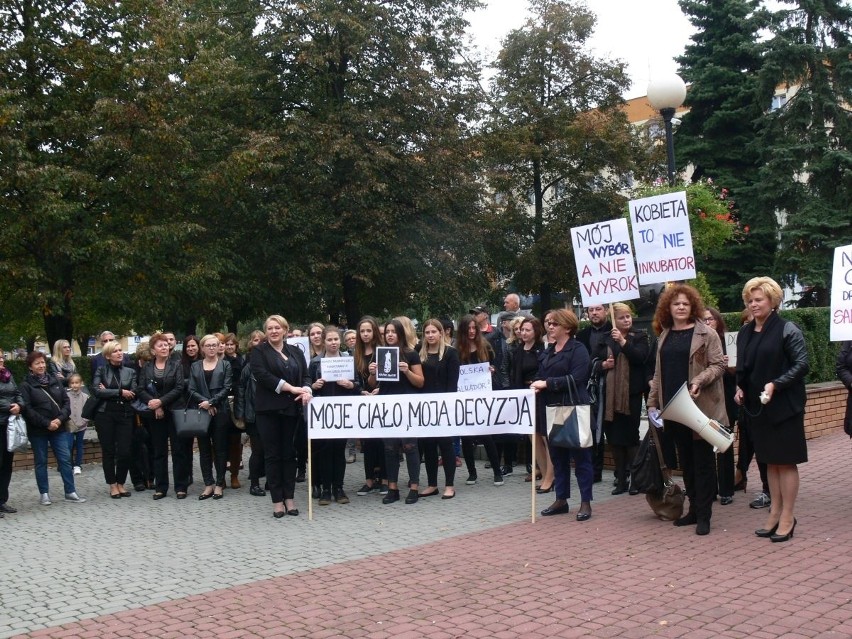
(90, 408)
(667, 504)
(191, 422)
(645, 471)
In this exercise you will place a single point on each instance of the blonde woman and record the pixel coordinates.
(315, 333)
(62, 366)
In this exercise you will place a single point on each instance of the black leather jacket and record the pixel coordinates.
(220, 384)
(9, 394)
(106, 375)
(172, 381)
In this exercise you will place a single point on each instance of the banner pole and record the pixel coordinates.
(310, 475)
(612, 315)
(532, 482)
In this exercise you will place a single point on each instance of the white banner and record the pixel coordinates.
(474, 378)
(604, 260)
(841, 295)
(662, 238)
(334, 369)
(425, 415)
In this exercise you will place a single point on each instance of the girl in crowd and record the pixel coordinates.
(441, 375)
(62, 365)
(772, 362)
(235, 435)
(282, 387)
(244, 409)
(210, 381)
(372, 449)
(161, 389)
(724, 461)
(77, 424)
(11, 403)
(688, 351)
(115, 384)
(522, 370)
(410, 381)
(473, 348)
(330, 454)
(46, 409)
(625, 383)
(565, 357)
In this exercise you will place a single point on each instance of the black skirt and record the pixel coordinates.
(780, 443)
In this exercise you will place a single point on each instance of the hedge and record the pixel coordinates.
(84, 367)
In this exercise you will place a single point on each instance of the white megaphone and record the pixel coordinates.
(681, 408)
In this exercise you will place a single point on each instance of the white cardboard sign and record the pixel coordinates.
(604, 262)
(662, 238)
(841, 295)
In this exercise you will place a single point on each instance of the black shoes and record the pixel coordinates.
(703, 527)
(339, 496)
(689, 519)
(725, 501)
(541, 490)
(140, 487)
(300, 477)
(555, 509)
(787, 537)
(325, 498)
(5, 508)
(766, 532)
(412, 497)
(257, 491)
(506, 471)
(584, 516)
(619, 489)
(633, 490)
(391, 497)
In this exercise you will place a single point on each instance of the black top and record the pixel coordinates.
(441, 376)
(674, 361)
(403, 386)
(523, 365)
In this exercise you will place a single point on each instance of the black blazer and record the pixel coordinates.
(220, 384)
(269, 369)
(172, 381)
(104, 375)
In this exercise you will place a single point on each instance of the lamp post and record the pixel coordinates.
(666, 93)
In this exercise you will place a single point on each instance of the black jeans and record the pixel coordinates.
(412, 459)
(6, 460)
(431, 445)
(374, 459)
(469, 452)
(162, 434)
(698, 463)
(330, 457)
(213, 449)
(256, 463)
(142, 451)
(278, 432)
(115, 433)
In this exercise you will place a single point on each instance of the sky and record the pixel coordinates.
(647, 34)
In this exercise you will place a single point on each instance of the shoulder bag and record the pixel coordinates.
(570, 425)
(16, 434)
(667, 504)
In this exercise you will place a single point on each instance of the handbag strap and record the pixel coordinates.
(50, 397)
(572, 391)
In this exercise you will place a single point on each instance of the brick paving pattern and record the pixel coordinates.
(473, 566)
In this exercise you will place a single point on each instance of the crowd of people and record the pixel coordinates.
(615, 367)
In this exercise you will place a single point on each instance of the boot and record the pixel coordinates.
(631, 455)
(618, 455)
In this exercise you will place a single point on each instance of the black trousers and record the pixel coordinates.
(330, 456)
(698, 463)
(115, 433)
(213, 449)
(278, 433)
(6, 460)
(746, 451)
(412, 459)
(469, 452)
(431, 446)
(301, 442)
(256, 463)
(374, 459)
(164, 436)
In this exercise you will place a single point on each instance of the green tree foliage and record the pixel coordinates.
(805, 146)
(558, 146)
(721, 65)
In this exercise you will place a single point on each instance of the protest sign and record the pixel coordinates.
(474, 377)
(662, 238)
(841, 295)
(304, 345)
(604, 262)
(334, 369)
(731, 348)
(387, 363)
(422, 415)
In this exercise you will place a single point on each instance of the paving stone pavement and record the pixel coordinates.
(473, 566)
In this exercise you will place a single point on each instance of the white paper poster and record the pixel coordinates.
(604, 260)
(841, 295)
(662, 238)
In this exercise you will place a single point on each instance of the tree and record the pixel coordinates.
(721, 65)
(557, 141)
(805, 145)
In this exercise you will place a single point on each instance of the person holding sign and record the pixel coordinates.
(373, 450)
(474, 349)
(565, 357)
(441, 375)
(844, 374)
(625, 383)
(772, 362)
(282, 387)
(330, 454)
(690, 352)
(410, 381)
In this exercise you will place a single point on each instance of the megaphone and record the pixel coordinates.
(681, 408)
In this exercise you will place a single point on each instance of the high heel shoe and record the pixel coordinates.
(541, 490)
(785, 537)
(766, 532)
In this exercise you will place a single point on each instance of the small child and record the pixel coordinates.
(77, 424)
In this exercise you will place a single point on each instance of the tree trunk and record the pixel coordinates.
(190, 326)
(351, 305)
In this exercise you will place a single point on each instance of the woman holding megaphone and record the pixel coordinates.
(689, 352)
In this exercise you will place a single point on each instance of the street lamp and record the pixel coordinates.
(666, 93)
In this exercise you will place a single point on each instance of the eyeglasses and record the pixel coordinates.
(551, 323)
(707, 320)
(211, 346)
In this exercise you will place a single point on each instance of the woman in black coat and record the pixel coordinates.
(11, 403)
(160, 388)
(115, 385)
(46, 409)
(282, 387)
(209, 384)
(844, 373)
(772, 362)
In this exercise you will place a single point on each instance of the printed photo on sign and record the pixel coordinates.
(604, 262)
(336, 369)
(387, 364)
(303, 344)
(662, 238)
(841, 295)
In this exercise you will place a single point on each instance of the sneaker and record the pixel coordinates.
(325, 498)
(498, 479)
(75, 498)
(383, 489)
(45, 499)
(316, 491)
(506, 471)
(78, 470)
(340, 497)
(391, 497)
(761, 501)
(471, 479)
(487, 465)
(350, 458)
(364, 490)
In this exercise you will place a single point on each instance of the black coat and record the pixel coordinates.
(106, 375)
(844, 372)
(269, 369)
(554, 367)
(217, 391)
(9, 394)
(39, 409)
(172, 381)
